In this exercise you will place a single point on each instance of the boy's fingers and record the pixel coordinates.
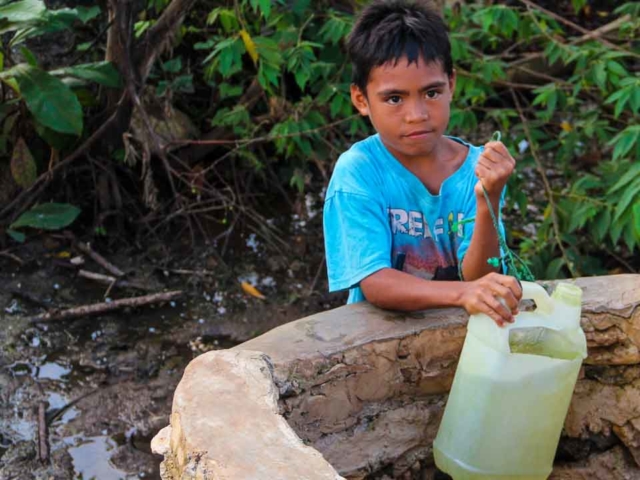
(492, 156)
(498, 147)
(495, 316)
(498, 155)
(512, 284)
(498, 308)
(507, 295)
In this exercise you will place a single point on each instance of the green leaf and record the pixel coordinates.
(265, 6)
(29, 56)
(625, 141)
(631, 193)
(578, 5)
(600, 75)
(17, 236)
(635, 99)
(48, 216)
(49, 100)
(636, 219)
(183, 83)
(633, 172)
(104, 73)
(629, 236)
(140, 27)
(615, 231)
(554, 268)
(227, 19)
(616, 68)
(57, 140)
(336, 105)
(601, 224)
(335, 29)
(302, 77)
(23, 166)
(173, 66)
(229, 90)
(23, 11)
(87, 13)
(632, 8)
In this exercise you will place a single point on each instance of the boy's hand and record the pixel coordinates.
(493, 169)
(482, 296)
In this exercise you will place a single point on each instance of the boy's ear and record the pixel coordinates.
(359, 100)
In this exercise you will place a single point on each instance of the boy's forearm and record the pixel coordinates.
(396, 290)
(484, 243)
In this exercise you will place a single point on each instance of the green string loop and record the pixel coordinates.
(515, 265)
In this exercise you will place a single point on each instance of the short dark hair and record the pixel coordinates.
(387, 30)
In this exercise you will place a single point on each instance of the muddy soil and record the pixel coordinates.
(107, 381)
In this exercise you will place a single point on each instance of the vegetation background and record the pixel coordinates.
(156, 120)
(191, 142)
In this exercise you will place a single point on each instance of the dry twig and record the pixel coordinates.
(111, 281)
(13, 257)
(43, 433)
(99, 308)
(99, 259)
(588, 34)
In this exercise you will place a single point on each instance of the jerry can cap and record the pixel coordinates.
(568, 293)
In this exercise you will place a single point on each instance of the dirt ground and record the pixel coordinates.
(107, 381)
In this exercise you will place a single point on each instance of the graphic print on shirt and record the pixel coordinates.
(428, 246)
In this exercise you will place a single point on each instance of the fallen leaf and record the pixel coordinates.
(251, 290)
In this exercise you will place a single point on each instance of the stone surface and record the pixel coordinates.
(227, 427)
(367, 387)
(613, 464)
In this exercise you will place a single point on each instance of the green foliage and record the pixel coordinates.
(581, 121)
(47, 216)
(23, 166)
(103, 73)
(31, 18)
(51, 102)
(274, 77)
(583, 103)
(35, 102)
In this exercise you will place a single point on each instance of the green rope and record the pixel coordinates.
(516, 267)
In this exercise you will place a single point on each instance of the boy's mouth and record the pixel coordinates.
(418, 133)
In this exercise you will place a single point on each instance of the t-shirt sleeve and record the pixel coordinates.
(469, 227)
(357, 238)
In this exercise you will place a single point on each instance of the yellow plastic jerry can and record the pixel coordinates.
(512, 390)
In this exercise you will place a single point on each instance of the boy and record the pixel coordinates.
(395, 199)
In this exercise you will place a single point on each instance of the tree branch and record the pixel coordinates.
(588, 34)
(158, 36)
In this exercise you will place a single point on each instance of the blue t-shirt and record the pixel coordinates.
(377, 212)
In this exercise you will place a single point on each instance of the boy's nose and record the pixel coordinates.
(417, 112)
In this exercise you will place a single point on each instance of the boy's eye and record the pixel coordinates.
(432, 94)
(394, 99)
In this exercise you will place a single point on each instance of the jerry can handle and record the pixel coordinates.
(535, 292)
(544, 305)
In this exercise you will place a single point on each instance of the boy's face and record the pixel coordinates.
(408, 106)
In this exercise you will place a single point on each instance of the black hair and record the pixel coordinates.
(387, 31)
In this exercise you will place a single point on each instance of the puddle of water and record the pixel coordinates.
(91, 458)
(20, 369)
(53, 371)
(59, 371)
(56, 402)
